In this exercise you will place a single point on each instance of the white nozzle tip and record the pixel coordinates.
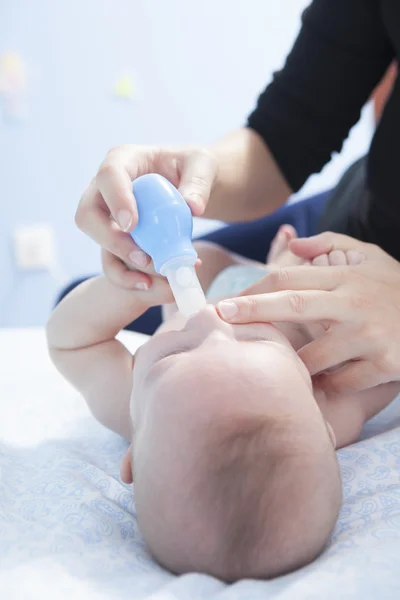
(190, 302)
(186, 289)
(184, 276)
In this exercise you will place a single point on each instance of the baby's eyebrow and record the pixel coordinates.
(254, 338)
(138, 351)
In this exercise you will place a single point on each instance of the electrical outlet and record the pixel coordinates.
(34, 247)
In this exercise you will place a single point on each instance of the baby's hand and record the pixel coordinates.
(155, 294)
(279, 253)
(158, 293)
(281, 256)
(138, 275)
(338, 258)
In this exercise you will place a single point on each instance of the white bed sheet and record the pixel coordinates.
(67, 523)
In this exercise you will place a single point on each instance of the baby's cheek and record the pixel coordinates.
(297, 334)
(136, 405)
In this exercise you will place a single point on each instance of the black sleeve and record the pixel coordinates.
(305, 114)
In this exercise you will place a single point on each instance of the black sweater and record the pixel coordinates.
(304, 115)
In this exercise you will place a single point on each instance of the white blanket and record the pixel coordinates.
(67, 523)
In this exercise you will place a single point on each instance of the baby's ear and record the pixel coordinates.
(331, 434)
(126, 466)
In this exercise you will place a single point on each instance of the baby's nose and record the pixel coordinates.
(208, 319)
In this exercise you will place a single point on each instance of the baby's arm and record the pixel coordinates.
(348, 413)
(81, 338)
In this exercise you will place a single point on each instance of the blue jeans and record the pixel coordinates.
(251, 239)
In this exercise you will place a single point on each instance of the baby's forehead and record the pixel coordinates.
(247, 355)
(234, 374)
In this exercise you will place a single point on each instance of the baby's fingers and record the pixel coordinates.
(354, 257)
(339, 258)
(280, 243)
(121, 275)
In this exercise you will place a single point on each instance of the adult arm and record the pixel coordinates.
(305, 114)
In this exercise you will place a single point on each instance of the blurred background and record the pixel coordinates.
(79, 77)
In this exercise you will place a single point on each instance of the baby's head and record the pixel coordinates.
(235, 470)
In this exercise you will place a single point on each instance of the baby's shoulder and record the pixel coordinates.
(345, 414)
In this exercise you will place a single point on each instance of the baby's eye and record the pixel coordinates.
(253, 338)
(166, 352)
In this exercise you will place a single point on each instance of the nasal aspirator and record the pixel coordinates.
(164, 232)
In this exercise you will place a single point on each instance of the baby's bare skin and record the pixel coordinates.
(190, 376)
(83, 346)
(346, 414)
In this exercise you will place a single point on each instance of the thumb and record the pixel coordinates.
(199, 173)
(324, 243)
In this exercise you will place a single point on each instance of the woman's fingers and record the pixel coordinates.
(354, 377)
(198, 174)
(291, 306)
(115, 186)
(338, 345)
(109, 236)
(304, 277)
(117, 271)
(110, 195)
(93, 218)
(324, 243)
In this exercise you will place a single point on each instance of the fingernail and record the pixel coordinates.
(124, 219)
(354, 257)
(138, 257)
(282, 237)
(142, 286)
(195, 199)
(227, 310)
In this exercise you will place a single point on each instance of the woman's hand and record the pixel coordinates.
(107, 210)
(358, 306)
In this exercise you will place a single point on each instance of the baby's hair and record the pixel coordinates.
(262, 502)
(256, 496)
(265, 490)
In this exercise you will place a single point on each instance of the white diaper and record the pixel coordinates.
(233, 280)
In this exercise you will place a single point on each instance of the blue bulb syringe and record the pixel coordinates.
(164, 232)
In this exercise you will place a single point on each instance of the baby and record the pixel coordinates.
(231, 449)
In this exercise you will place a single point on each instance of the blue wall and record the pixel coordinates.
(198, 67)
